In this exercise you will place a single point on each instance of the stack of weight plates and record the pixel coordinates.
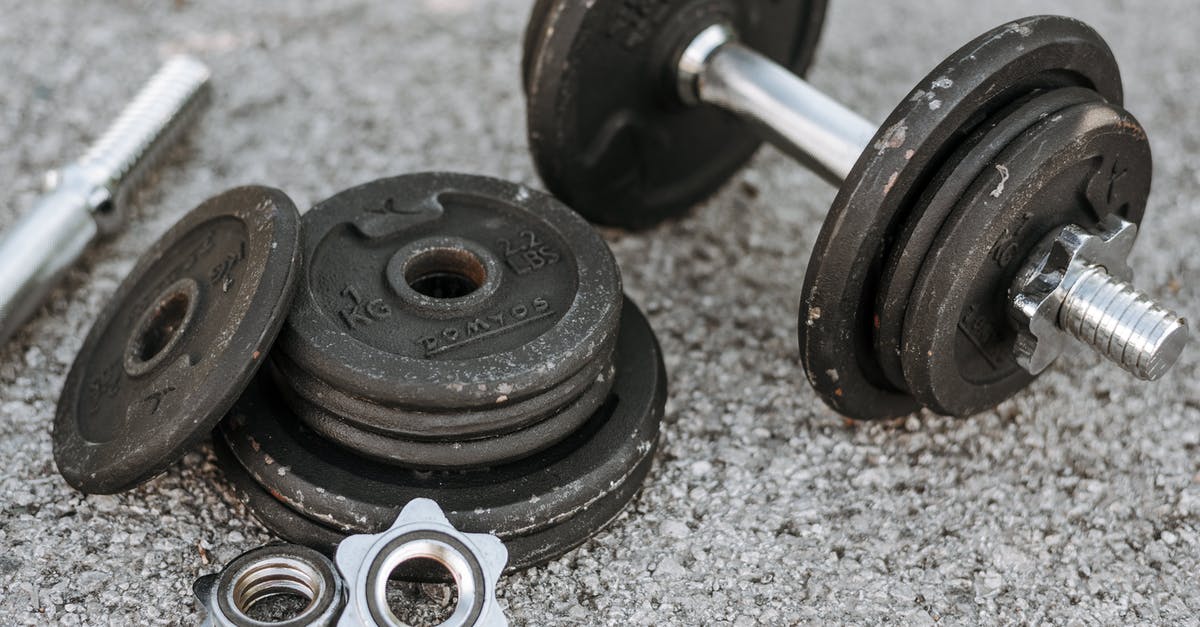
(458, 338)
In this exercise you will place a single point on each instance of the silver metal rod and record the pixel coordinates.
(86, 199)
(792, 114)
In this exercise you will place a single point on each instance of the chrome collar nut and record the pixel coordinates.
(269, 571)
(1041, 287)
(475, 560)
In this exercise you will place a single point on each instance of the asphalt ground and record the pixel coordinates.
(1077, 502)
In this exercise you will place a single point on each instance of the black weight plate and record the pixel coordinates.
(179, 340)
(547, 302)
(909, 248)
(306, 394)
(525, 551)
(1076, 167)
(462, 454)
(535, 30)
(607, 130)
(327, 484)
(837, 306)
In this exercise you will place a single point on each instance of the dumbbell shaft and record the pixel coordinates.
(791, 113)
(84, 199)
(38, 249)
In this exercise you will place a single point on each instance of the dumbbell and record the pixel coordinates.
(983, 223)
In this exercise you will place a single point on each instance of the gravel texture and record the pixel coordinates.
(1076, 502)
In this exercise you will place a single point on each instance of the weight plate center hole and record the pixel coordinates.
(444, 277)
(445, 272)
(161, 327)
(164, 325)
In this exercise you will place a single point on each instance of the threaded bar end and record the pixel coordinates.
(168, 102)
(1123, 324)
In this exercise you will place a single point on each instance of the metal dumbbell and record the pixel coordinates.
(986, 220)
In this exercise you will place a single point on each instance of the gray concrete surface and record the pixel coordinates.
(1078, 502)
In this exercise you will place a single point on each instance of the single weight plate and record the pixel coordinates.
(306, 394)
(973, 157)
(539, 493)
(607, 130)
(442, 291)
(1075, 167)
(179, 340)
(837, 306)
(461, 454)
(535, 31)
(525, 551)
